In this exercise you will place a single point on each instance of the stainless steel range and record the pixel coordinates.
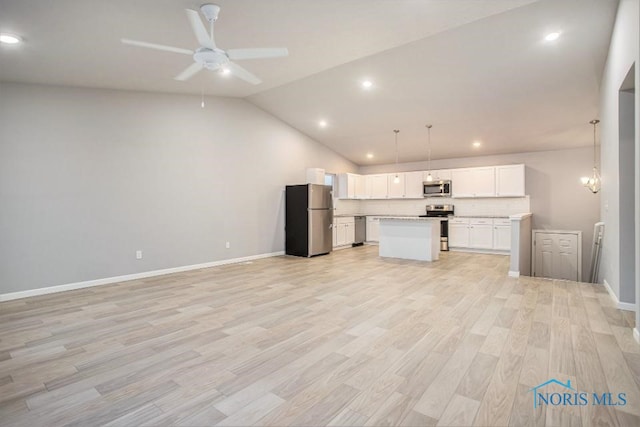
(441, 211)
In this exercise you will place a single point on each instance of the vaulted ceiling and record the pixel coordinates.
(475, 69)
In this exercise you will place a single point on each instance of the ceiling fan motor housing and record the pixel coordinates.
(210, 59)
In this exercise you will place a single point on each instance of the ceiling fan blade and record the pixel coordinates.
(157, 46)
(188, 72)
(243, 74)
(199, 30)
(267, 52)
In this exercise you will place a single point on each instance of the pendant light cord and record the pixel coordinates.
(396, 131)
(595, 124)
(594, 145)
(429, 146)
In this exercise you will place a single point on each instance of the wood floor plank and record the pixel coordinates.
(435, 399)
(460, 411)
(496, 405)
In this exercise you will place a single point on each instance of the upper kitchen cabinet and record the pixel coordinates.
(510, 181)
(413, 185)
(347, 186)
(438, 175)
(473, 182)
(361, 187)
(351, 186)
(378, 188)
(395, 189)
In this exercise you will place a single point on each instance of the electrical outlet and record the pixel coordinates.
(227, 245)
(138, 254)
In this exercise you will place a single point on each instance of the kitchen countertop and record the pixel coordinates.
(482, 216)
(377, 216)
(412, 218)
(416, 216)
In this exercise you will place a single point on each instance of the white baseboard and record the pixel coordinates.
(127, 277)
(480, 251)
(621, 305)
(636, 335)
(514, 274)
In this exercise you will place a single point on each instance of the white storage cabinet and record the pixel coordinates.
(510, 181)
(344, 231)
(373, 229)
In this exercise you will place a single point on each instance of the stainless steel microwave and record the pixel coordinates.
(436, 188)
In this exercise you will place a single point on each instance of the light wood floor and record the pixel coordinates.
(344, 339)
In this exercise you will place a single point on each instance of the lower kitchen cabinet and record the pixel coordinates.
(480, 233)
(344, 231)
(373, 229)
(502, 234)
(459, 233)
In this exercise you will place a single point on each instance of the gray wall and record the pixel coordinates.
(623, 53)
(558, 200)
(626, 178)
(89, 176)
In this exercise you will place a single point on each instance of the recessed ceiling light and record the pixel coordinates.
(9, 38)
(552, 36)
(225, 71)
(322, 123)
(477, 144)
(369, 155)
(367, 84)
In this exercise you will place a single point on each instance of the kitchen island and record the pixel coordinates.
(415, 238)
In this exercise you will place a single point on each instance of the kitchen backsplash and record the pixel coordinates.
(503, 206)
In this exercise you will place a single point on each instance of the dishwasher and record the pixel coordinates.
(360, 229)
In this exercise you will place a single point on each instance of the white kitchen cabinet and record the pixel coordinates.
(473, 182)
(459, 232)
(373, 229)
(481, 233)
(510, 181)
(334, 227)
(462, 184)
(413, 185)
(315, 176)
(344, 231)
(395, 189)
(347, 186)
(361, 187)
(502, 234)
(438, 174)
(379, 187)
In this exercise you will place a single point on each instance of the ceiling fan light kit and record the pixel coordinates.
(208, 55)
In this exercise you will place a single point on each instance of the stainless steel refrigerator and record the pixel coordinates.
(308, 220)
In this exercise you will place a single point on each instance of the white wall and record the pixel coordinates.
(558, 201)
(88, 176)
(623, 53)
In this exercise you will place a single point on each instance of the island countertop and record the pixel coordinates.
(411, 218)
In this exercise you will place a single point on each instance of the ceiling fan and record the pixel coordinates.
(208, 55)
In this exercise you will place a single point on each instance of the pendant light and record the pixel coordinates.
(593, 182)
(396, 180)
(429, 177)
